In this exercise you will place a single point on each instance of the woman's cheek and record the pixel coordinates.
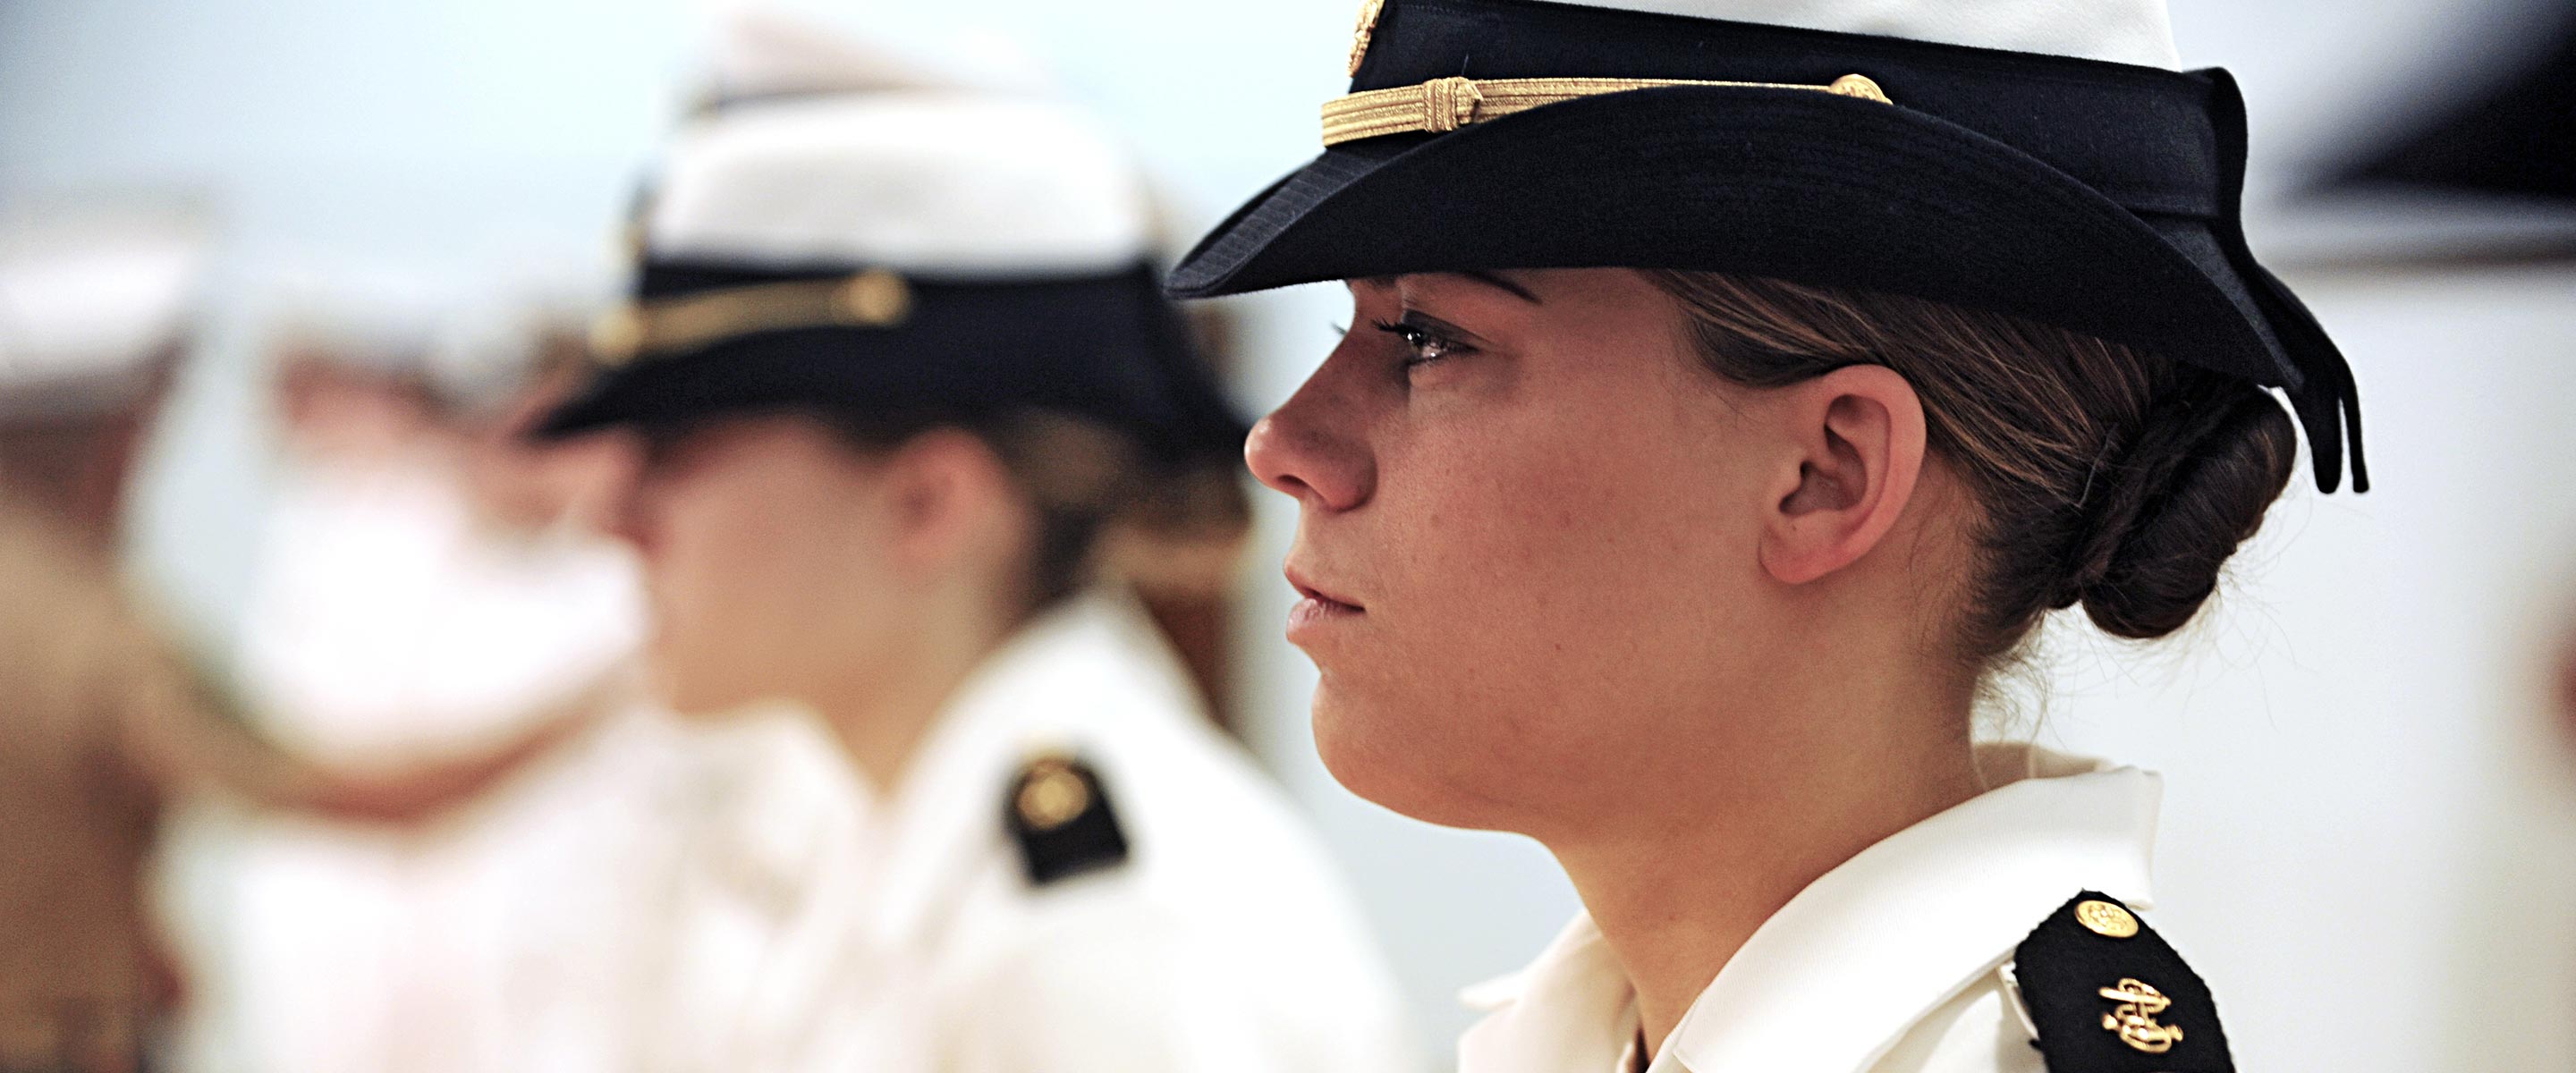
(1524, 527)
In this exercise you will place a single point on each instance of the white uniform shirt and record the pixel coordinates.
(1890, 963)
(835, 929)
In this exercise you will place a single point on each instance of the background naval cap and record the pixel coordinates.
(95, 298)
(2038, 158)
(910, 250)
(762, 51)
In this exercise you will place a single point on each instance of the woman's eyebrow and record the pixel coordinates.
(1492, 280)
(1489, 279)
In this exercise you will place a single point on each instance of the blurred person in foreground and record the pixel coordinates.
(102, 722)
(422, 557)
(899, 369)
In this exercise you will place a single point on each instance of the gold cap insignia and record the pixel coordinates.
(875, 298)
(1369, 10)
(617, 336)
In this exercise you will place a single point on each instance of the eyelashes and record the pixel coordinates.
(1429, 341)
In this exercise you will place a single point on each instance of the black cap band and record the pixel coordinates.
(1107, 347)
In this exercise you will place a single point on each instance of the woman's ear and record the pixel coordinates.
(1859, 439)
(947, 493)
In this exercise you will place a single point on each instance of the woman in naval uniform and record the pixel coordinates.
(1933, 319)
(897, 367)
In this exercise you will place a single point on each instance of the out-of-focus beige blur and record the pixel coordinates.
(362, 693)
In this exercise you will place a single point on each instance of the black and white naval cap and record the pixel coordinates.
(2040, 158)
(912, 250)
(95, 299)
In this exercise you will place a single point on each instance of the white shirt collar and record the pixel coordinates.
(1837, 975)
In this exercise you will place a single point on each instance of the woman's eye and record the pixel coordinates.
(1428, 344)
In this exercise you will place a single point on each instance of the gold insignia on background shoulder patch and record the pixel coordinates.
(2134, 1019)
(1369, 10)
(1058, 816)
(2104, 918)
(1052, 794)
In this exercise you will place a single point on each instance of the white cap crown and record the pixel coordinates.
(924, 181)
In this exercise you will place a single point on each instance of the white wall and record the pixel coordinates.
(2369, 828)
(2364, 799)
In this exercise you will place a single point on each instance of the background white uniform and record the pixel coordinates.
(853, 930)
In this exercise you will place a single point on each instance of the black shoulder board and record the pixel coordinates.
(1062, 821)
(2106, 995)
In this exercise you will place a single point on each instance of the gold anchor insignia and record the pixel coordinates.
(2135, 1016)
(1360, 37)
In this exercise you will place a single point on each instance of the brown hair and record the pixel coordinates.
(1086, 484)
(2119, 480)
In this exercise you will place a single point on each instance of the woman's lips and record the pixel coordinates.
(1316, 608)
(1315, 611)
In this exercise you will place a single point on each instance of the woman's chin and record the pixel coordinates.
(698, 696)
(1393, 762)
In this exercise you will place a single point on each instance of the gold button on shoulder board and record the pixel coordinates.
(1051, 795)
(2104, 918)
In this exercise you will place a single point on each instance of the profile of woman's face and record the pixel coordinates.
(1527, 541)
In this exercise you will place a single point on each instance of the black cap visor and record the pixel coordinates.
(1803, 186)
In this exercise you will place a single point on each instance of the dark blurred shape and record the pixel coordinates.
(92, 303)
(2565, 679)
(2516, 137)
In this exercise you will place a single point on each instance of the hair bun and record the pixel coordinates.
(2163, 515)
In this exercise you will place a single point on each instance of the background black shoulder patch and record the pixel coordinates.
(1060, 818)
(2109, 996)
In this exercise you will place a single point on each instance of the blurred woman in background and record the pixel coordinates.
(899, 376)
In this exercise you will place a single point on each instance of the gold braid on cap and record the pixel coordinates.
(875, 298)
(1446, 104)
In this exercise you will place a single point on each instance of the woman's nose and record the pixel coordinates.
(1297, 451)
